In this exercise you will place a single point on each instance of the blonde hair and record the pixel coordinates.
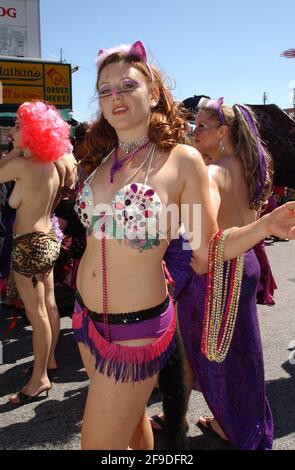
(246, 148)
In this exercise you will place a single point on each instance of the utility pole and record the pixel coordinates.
(264, 97)
(62, 61)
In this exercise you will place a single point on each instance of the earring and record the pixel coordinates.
(153, 103)
(221, 146)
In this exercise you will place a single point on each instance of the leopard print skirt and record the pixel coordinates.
(33, 253)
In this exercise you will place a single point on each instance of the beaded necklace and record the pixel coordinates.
(129, 146)
(105, 302)
(117, 164)
(222, 299)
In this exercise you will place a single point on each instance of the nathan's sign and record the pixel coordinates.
(24, 81)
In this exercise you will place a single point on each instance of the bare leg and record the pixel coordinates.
(53, 316)
(123, 425)
(88, 359)
(113, 411)
(143, 438)
(34, 302)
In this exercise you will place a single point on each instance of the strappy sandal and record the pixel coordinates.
(207, 427)
(161, 424)
(24, 398)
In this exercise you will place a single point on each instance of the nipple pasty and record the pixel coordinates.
(137, 208)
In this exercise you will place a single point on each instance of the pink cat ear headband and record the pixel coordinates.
(136, 49)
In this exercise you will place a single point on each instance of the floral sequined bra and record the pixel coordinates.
(133, 216)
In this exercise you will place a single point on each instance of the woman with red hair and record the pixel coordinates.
(144, 185)
(40, 138)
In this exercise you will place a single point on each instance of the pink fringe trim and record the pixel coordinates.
(128, 354)
(132, 354)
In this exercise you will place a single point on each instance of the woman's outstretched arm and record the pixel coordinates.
(200, 229)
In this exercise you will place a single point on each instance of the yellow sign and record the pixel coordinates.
(58, 84)
(24, 81)
(20, 94)
(17, 73)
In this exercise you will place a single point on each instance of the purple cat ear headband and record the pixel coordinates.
(262, 163)
(136, 49)
(215, 104)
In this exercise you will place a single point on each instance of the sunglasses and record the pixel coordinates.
(202, 127)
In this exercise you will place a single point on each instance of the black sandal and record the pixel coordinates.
(162, 423)
(24, 398)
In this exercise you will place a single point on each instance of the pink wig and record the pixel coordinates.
(43, 131)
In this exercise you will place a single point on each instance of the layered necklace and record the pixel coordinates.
(129, 146)
(117, 164)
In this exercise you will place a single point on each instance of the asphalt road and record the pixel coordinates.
(55, 423)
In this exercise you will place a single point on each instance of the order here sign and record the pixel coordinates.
(24, 81)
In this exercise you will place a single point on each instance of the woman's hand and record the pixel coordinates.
(281, 221)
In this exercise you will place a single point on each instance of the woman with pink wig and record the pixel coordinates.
(41, 137)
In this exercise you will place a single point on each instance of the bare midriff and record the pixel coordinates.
(135, 281)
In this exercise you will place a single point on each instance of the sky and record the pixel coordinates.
(228, 48)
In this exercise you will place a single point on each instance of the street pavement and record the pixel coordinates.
(55, 422)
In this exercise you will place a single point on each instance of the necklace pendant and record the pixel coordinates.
(116, 166)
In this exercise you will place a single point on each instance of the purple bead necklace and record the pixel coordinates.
(117, 164)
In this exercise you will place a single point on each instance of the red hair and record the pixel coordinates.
(43, 131)
(167, 124)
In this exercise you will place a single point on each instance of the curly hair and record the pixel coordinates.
(43, 131)
(246, 149)
(167, 125)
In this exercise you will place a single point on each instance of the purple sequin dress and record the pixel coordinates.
(234, 389)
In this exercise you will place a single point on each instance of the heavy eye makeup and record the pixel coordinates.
(201, 126)
(126, 85)
(129, 84)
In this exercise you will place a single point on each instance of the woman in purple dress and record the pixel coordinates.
(238, 167)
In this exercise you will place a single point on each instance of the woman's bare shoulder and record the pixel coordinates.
(15, 163)
(189, 160)
(12, 169)
(186, 155)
